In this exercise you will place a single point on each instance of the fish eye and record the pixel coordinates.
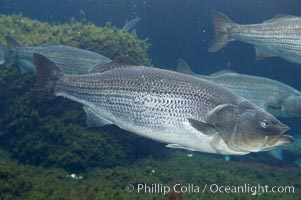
(265, 124)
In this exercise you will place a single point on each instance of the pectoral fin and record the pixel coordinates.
(204, 128)
(274, 102)
(93, 120)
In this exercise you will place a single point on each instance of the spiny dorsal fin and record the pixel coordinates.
(118, 62)
(183, 67)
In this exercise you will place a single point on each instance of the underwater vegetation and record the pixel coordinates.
(108, 41)
(28, 182)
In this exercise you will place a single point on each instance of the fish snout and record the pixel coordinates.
(283, 128)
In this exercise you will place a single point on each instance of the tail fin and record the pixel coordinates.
(183, 67)
(2, 53)
(12, 48)
(222, 28)
(47, 76)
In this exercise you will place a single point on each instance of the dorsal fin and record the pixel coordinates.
(183, 67)
(223, 71)
(279, 17)
(118, 62)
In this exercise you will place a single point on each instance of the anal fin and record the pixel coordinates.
(261, 54)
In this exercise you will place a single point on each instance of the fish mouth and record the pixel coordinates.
(277, 141)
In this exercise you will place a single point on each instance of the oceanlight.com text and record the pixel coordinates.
(159, 188)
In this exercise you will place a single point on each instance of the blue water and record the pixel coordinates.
(179, 29)
(176, 28)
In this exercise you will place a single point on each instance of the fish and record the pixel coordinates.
(2, 53)
(279, 36)
(130, 24)
(277, 98)
(70, 59)
(180, 110)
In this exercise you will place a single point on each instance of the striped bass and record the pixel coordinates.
(181, 110)
(71, 60)
(277, 98)
(279, 36)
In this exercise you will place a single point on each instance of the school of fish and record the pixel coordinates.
(223, 113)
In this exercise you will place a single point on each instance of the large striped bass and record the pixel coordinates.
(277, 98)
(279, 36)
(178, 109)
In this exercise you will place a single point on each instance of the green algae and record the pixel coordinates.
(108, 40)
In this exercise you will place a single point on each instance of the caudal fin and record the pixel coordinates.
(222, 28)
(47, 74)
(12, 48)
